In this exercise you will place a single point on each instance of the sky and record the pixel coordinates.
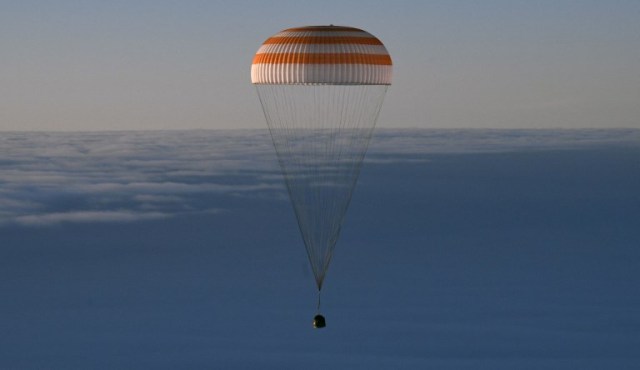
(146, 65)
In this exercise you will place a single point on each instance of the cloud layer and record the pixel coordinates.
(160, 249)
(52, 178)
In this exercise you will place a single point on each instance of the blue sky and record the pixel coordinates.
(90, 65)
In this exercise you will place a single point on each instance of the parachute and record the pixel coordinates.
(321, 89)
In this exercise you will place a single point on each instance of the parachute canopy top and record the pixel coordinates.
(325, 55)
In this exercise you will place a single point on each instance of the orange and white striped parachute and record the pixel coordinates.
(321, 89)
(322, 55)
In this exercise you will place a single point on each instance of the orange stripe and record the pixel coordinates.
(323, 40)
(310, 58)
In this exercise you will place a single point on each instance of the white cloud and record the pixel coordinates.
(157, 198)
(170, 187)
(421, 141)
(87, 217)
(124, 176)
(12, 204)
(129, 176)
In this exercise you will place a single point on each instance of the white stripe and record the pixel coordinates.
(323, 49)
(336, 74)
(323, 34)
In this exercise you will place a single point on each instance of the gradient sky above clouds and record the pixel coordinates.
(91, 65)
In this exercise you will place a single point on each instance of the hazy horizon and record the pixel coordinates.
(376, 130)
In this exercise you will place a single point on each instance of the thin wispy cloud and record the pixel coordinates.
(421, 141)
(88, 217)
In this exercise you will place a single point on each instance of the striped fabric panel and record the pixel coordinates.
(324, 49)
(330, 28)
(313, 39)
(324, 55)
(288, 33)
(312, 58)
(321, 74)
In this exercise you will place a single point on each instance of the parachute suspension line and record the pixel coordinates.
(319, 293)
(321, 134)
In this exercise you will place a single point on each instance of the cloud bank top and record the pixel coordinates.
(54, 178)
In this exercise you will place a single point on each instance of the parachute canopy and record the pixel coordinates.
(321, 89)
(322, 55)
